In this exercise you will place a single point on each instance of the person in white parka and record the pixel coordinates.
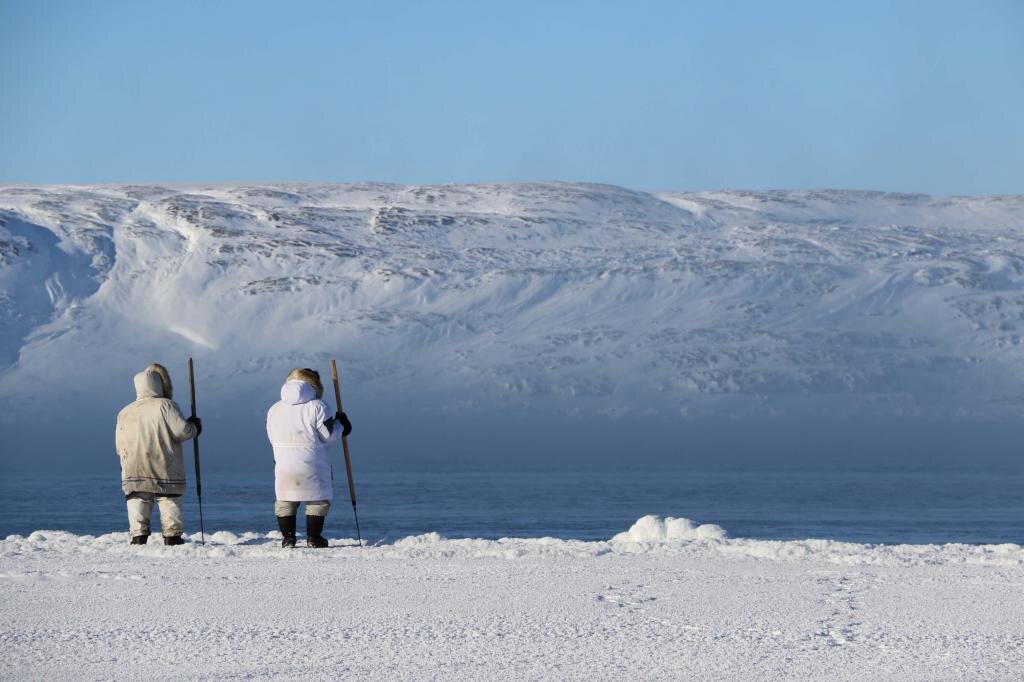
(301, 430)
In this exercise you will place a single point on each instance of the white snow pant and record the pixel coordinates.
(140, 507)
(313, 508)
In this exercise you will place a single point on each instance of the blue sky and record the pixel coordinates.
(909, 96)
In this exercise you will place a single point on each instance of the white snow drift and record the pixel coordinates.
(655, 529)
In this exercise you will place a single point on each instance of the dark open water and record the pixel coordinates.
(919, 505)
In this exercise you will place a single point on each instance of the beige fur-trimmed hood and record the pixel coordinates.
(308, 376)
(148, 385)
(165, 378)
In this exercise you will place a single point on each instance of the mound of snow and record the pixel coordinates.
(223, 537)
(652, 528)
(426, 539)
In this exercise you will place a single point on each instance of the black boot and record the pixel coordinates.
(314, 531)
(140, 539)
(173, 540)
(287, 526)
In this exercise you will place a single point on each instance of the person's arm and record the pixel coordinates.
(181, 429)
(326, 426)
(339, 419)
(320, 422)
(339, 422)
(119, 438)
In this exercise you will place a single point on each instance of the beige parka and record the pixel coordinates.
(148, 439)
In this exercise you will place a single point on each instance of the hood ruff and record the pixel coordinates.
(165, 378)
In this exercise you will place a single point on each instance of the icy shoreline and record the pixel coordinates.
(667, 599)
(649, 535)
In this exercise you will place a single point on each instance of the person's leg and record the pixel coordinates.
(318, 507)
(285, 512)
(285, 508)
(316, 511)
(171, 519)
(140, 506)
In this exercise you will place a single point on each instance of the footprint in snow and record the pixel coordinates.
(629, 596)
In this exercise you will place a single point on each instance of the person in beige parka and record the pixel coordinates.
(148, 438)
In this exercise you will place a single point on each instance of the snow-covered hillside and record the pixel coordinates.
(558, 298)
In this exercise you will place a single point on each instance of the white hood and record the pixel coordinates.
(148, 384)
(297, 392)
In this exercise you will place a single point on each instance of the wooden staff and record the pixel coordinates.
(344, 447)
(195, 450)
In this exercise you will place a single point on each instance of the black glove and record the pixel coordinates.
(340, 418)
(196, 422)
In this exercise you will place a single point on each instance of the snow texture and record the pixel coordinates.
(667, 599)
(558, 297)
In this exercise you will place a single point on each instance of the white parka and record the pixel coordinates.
(295, 427)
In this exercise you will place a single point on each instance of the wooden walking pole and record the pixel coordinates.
(344, 447)
(195, 450)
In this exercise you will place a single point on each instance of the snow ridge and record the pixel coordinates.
(649, 535)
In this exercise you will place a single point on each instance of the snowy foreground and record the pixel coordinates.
(665, 600)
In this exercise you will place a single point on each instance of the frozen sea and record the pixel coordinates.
(911, 505)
